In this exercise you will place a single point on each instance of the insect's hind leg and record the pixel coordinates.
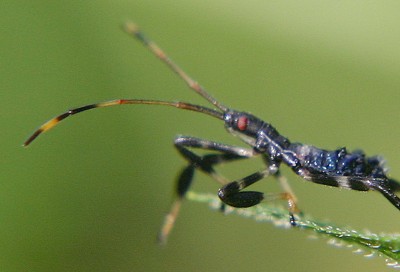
(206, 164)
(388, 191)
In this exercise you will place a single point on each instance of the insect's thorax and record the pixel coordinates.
(262, 136)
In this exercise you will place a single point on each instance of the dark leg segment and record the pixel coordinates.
(231, 193)
(206, 164)
(385, 186)
(389, 194)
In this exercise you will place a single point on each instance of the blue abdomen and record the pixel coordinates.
(338, 162)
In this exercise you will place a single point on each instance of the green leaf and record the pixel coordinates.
(385, 245)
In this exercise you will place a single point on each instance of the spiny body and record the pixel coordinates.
(339, 168)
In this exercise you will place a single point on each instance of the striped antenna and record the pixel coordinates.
(180, 105)
(133, 30)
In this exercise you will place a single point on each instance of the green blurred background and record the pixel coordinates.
(90, 195)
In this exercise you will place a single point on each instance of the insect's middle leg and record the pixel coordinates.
(206, 164)
(233, 195)
(286, 195)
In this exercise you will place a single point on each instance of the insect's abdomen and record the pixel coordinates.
(339, 164)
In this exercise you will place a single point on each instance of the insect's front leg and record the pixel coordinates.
(206, 164)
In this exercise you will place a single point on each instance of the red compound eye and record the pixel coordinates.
(242, 123)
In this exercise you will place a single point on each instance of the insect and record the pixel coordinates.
(338, 168)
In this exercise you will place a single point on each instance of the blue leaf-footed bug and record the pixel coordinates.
(338, 168)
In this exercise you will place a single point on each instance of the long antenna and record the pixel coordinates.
(133, 29)
(180, 105)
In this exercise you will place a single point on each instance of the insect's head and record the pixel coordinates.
(243, 124)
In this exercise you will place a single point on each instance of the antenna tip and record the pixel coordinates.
(32, 137)
(130, 27)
